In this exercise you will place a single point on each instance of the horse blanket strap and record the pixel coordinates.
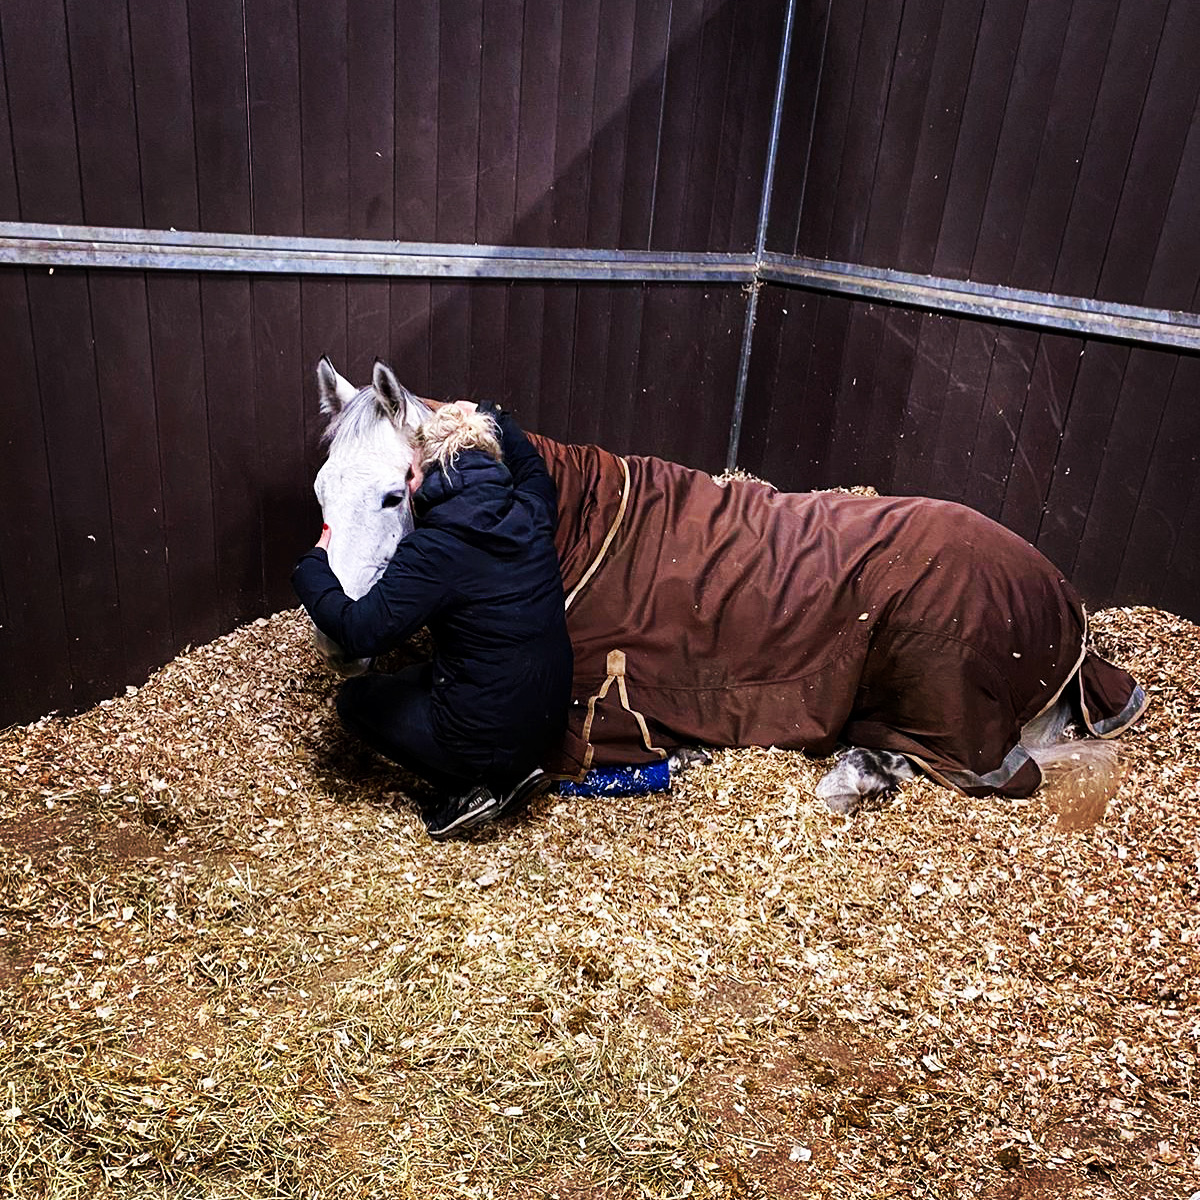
(616, 672)
(608, 541)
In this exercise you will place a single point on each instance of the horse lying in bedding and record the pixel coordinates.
(916, 631)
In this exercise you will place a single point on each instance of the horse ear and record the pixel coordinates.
(391, 395)
(335, 391)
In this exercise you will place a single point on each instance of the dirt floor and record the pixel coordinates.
(233, 965)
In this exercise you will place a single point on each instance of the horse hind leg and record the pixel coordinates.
(861, 775)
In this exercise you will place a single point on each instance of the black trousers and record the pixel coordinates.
(393, 714)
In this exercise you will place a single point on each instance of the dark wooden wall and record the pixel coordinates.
(1049, 147)
(159, 431)
(633, 124)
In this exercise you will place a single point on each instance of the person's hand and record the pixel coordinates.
(468, 406)
(323, 540)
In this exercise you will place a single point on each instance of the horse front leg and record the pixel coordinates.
(860, 775)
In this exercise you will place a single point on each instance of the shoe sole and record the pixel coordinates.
(466, 820)
(525, 791)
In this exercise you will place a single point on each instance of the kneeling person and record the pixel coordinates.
(480, 569)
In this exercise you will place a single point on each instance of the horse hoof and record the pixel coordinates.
(846, 803)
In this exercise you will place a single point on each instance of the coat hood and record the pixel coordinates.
(473, 499)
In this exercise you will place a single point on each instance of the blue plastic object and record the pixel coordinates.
(621, 781)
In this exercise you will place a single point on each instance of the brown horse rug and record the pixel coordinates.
(736, 615)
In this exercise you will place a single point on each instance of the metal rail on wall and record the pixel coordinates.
(174, 250)
(24, 244)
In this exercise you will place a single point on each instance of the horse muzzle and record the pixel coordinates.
(337, 658)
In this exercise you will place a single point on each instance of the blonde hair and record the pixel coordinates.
(451, 430)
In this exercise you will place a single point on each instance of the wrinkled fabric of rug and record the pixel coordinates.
(233, 965)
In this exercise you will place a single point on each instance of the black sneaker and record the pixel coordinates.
(457, 814)
(534, 784)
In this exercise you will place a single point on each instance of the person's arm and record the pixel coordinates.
(530, 478)
(409, 592)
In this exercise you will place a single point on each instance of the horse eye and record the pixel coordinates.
(393, 499)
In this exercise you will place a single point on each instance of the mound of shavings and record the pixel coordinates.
(233, 965)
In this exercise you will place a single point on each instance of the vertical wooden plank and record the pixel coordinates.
(1069, 116)
(1021, 134)
(816, 412)
(102, 87)
(1127, 456)
(722, 318)
(273, 99)
(962, 411)
(286, 529)
(680, 93)
(374, 183)
(230, 376)
(61, 318)
(457, 168)
(1097, 386)
(612, 96)
(159, 44)
(873, 74)
(218, 68)
(10, 203)
(888, 399)
(541, 50)
(621, 365)
(589, 391)
(495, 188)
(834, 117)
(778, 454)
(702, 180)
(672, 420)
(761, 34)
(101, 58)
(125, 381)
(599, 304)
(666, 352)
(978, 134)
(856, 382)
(574, 123)
(1155, 533)
(1176, 267)
(901, 129)
(651, 46)
(1167, 119)
(273, 78)
(38, 76)
(184, 454)
(415, 208)
(324, 111)
(1115, 120)
(1180, 585)
(536, 142)
(338, 189)
(499, 115)
(935, 147)
(913, 469)
(34, 642)
(1043, 420)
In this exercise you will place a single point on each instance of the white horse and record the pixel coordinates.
(362, 487)
(364, 497)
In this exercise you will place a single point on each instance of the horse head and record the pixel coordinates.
(362, 487)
